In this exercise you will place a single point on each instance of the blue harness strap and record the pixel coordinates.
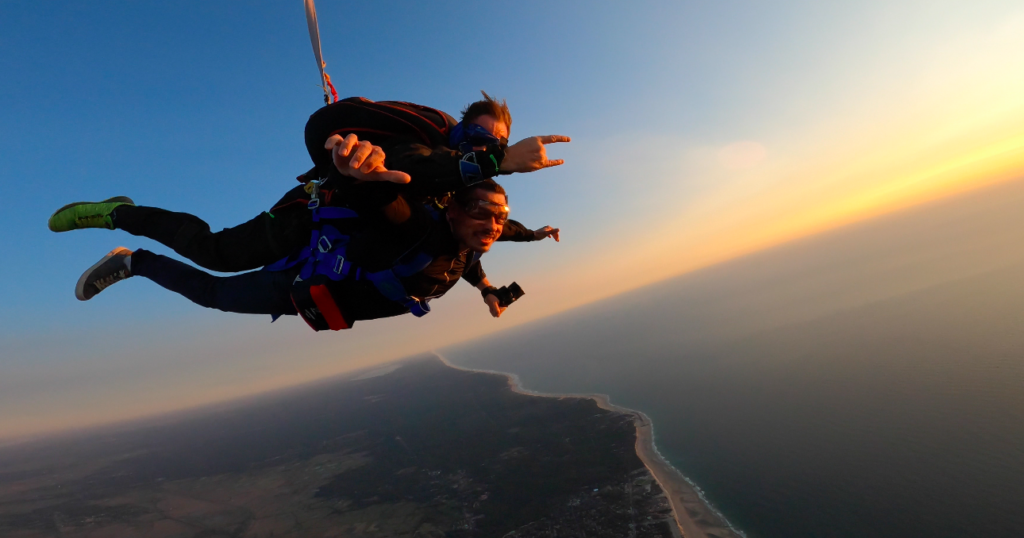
(334, 213)
(388, 282)
(326, 252)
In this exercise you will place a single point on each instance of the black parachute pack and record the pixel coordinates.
(375, 122)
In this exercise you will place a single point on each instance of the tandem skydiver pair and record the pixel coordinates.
(397, 207)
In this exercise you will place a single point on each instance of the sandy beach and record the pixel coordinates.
(694, 517)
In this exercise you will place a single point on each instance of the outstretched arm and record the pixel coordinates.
(433, 172)
(517, 232)
(440, 170)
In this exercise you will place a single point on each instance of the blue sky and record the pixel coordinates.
(701, 130)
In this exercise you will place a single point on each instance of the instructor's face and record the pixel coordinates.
(497, 128)
(476, 233)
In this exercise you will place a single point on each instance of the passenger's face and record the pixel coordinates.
(476, 234)
(497, 128)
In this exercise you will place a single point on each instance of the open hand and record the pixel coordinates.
(545, 232)
(529, 154)
(361, 160)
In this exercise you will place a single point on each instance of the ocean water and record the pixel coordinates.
(867, 382)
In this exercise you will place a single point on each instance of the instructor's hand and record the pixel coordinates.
(529, 154)
(361, 160)
(492, 303)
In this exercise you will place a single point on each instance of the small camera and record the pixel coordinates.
(508, 294)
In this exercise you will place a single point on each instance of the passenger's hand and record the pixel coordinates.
(492, 303)
(529, 154)
(546, 232)
(361, 160)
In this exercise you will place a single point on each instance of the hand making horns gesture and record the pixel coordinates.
(529, 154)
(361, 160)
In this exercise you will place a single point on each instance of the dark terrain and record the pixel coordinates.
(425, 451)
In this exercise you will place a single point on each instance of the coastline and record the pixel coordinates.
(695, 518)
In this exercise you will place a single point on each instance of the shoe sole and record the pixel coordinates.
(116, 199)
(83, 280)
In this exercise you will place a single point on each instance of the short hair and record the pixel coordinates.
(465, 195)
(489, 106)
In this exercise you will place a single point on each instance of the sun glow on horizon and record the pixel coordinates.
(949, 125)
(821, 185)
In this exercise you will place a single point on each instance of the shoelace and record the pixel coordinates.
(106, 281)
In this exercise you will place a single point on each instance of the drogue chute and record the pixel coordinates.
(314, 38)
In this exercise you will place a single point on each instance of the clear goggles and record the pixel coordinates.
(486, 210)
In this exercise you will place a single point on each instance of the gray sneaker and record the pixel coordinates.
(112, 268)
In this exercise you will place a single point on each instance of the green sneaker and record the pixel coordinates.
(109, 270)
(87, 214)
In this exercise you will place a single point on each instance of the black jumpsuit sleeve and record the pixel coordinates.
(439, 170)
(516, 231)
(474, 274)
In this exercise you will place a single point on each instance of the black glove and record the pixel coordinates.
(506, 294)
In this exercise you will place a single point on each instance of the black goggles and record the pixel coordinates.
(472, 134)
(486, 210)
